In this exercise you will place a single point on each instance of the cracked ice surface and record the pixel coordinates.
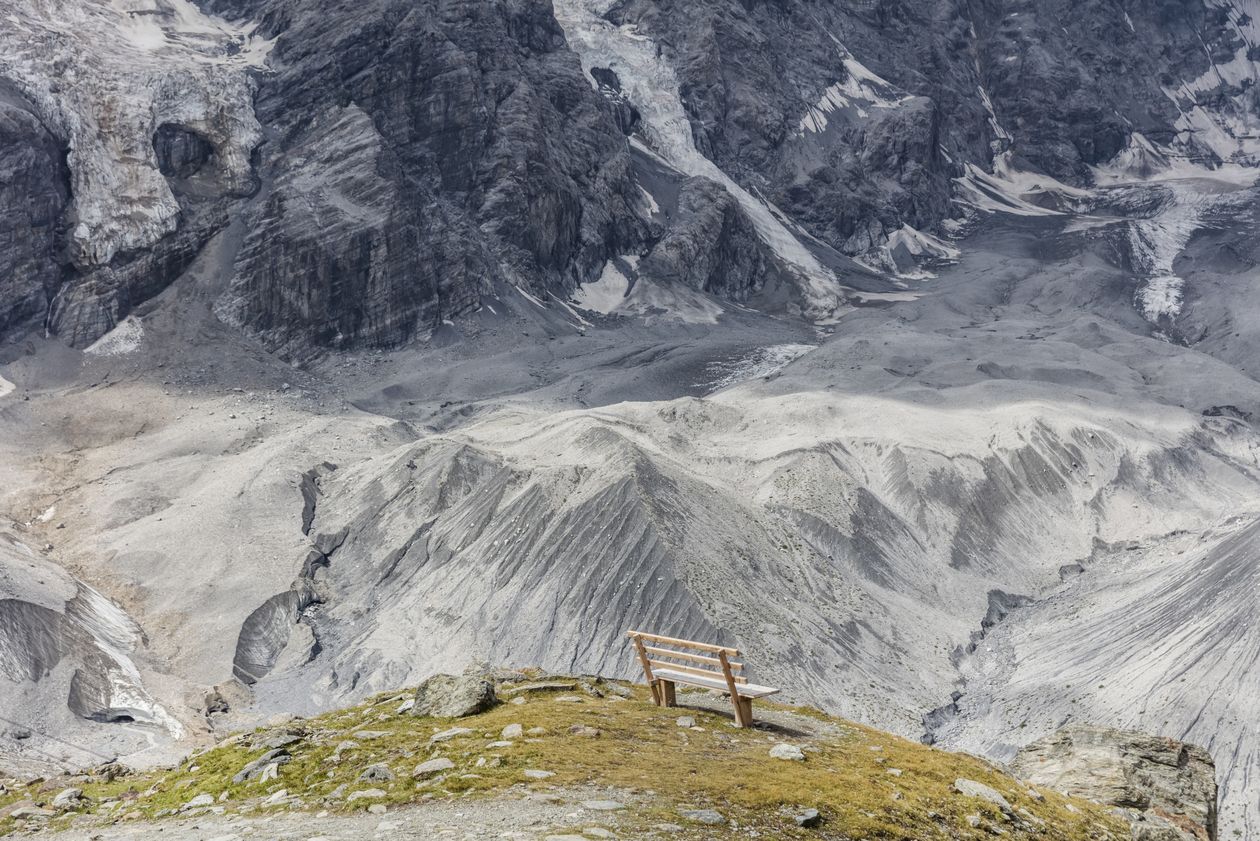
(104, 74)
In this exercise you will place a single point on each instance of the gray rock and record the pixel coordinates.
(24, 812)
(685, 721)
(603, 805)
(255, 768)
(535, 774)
(708, 817)
(808, 818)
(69, 798)
(787, 752)
(366, 794)
(447, 735)
(513, 731)
(200, 801)
(377, 773)
(1171, 783)
(971, 788)
(454, 696)
(433, 766)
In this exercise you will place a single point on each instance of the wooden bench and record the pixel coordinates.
(667, 661)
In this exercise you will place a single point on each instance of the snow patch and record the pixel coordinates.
(125, 338)
(6, 387)
(609, 292)
(860, 91)
(761, 362)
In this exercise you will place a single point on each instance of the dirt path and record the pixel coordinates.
(562, 813)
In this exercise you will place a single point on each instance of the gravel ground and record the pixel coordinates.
(558, 814)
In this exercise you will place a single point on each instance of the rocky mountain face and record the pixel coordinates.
(895, 342)
(388, 164)
(1171, 786)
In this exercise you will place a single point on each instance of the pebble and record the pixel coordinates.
(512, 731)
(686, 721)
(538, 775)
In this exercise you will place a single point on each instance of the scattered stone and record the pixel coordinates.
(498, 745)
(377, 809)
(971, 788)
(366, 794)
(668, 827)
(544, 686)
(538, 775)
(602, 805)
(973, 821)
(277, 757)
(597, 832)
(513, 731)
(565, 838)
(896, 772)
(198, 802)
(282, 740)
(405, 706)
(787, 752)
(368, 735)
(23, 812)
(584, 730)
(447, 735)
(809, 818)
(454, 696)
(536, 731)
(589, 689)
(276, 797)
(68, 799)
(518, 700)
(619, 690)
(378, 773)
(708, 817)
(433, 766)
(686, 721)
(568, 699)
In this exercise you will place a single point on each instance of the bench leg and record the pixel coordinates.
(668, 698)
(655, 686)
(743, 711)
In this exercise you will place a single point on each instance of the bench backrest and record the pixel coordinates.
(693, 658)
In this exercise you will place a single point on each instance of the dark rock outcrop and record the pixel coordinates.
(711, 246)
(34, 190)
(425, 154)
(1167, 787)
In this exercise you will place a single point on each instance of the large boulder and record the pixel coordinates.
(452, 696)
(1168, 787)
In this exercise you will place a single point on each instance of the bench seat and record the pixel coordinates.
(703, 664)
(746, 690)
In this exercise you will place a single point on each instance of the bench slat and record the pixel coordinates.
(657, 666)
(747, 690)
(692, 658)
(699, 646)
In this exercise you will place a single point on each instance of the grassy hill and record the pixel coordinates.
(665, 776)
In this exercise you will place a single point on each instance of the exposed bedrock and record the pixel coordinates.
(711, 246)
(1169, 787)
(424, 155)
(34, 191)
